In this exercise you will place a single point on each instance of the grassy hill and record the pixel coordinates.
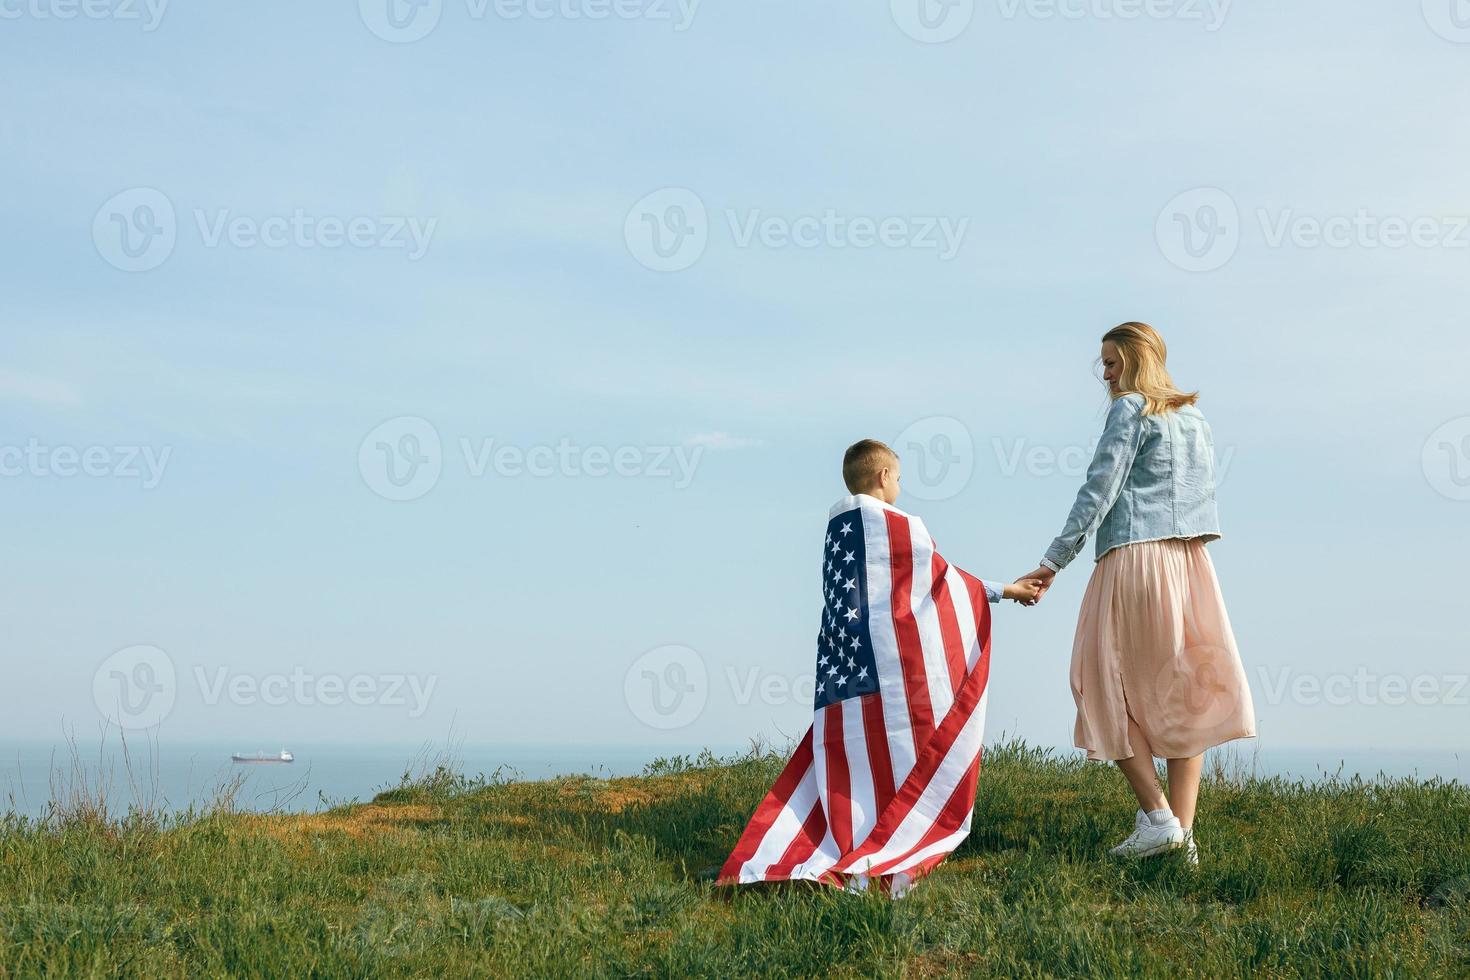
(449, 876)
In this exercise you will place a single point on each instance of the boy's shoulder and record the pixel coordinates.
(872, 505)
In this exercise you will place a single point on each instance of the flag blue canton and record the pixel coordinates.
(846, 667)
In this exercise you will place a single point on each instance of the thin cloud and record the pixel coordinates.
(43, 391)
(722, 440)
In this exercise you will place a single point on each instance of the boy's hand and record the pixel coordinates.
(1042, 575)
(1026, 591)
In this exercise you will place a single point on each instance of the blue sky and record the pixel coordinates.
(520, 146)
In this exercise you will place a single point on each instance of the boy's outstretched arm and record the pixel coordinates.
(1025, 591)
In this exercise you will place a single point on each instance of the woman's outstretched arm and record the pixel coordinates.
(1105, 477)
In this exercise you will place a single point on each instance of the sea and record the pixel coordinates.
(173, 776)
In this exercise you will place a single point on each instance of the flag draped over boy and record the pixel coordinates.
(883, 784)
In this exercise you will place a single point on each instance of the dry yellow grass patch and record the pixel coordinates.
(370, 819)
(616, 795)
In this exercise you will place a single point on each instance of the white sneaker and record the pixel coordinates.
(1191, 851)
(1149, 838)
(1140, 821)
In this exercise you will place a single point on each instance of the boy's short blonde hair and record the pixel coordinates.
(862, 463)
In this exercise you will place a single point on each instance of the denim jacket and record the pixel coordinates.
(1152, 477)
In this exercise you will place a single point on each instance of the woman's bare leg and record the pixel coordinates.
(1184, 787)
(1140, 772)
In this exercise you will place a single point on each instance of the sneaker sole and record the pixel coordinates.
(1160, 848)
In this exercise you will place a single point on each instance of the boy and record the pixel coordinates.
(882, 787)
(870, 467)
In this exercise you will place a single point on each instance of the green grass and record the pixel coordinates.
(448, 876)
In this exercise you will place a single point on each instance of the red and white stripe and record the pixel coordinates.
(883, 785)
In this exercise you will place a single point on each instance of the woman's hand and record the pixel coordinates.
(1043, 577)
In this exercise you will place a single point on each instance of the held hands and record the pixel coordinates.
(1031, 586)
(1026, 591)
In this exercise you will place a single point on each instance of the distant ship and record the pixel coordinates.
(259, 757)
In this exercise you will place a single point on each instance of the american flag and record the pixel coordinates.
(883, 784)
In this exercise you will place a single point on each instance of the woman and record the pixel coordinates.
(1155, 670)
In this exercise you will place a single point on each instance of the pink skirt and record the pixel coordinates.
(1154, 643)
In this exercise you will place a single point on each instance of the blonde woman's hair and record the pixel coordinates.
(1144, 355)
